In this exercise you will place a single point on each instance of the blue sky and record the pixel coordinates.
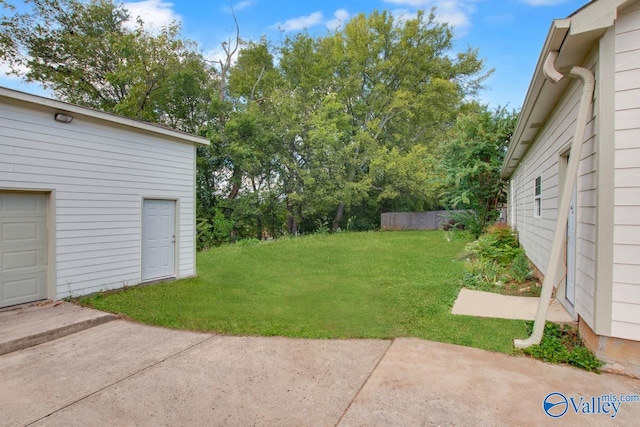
(508, 33)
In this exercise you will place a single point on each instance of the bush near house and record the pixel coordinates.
(562, 344)
(496, 263)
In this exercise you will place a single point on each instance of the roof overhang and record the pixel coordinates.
(574, 38)
(76, 110)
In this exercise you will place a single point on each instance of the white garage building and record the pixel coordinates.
(90, 201)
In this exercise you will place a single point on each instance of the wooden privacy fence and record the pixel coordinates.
(414, 220)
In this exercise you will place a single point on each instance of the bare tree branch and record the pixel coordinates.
(225, 63)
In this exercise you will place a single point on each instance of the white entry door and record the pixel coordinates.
(23, 248)
(158, 239)
(570, 289)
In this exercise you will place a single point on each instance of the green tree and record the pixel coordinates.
(86, 55)
(399, 85)
(404, 179)
(470, 161)
(352, 117)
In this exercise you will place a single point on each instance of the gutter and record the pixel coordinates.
(10, 95)
(539, 89)
(575, 36)
(551, 278)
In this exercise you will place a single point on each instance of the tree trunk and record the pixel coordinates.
(259, 234)
(292, 224)
(236, 180)
(338, 217)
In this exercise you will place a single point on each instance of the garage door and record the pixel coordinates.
(23, 248)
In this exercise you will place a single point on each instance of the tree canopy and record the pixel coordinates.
(86, 55)
(470, 162)
(316, 132)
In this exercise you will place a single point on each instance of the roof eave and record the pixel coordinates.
(557, 33)
(573, 37)
(108, 117)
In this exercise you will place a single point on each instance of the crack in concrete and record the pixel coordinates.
(355, 396)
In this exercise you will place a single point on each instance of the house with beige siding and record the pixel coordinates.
(596, 267)
(90, 201)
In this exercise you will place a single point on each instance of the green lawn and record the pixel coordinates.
(346, 285)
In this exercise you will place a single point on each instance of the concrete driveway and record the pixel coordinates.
(123, 373)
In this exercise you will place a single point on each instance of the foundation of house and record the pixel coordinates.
(621, 356)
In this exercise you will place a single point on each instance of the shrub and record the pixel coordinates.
(466, 220)
(249, 241)
(562, 344)
(497, 245)
(496, 262)
(213, 232)
(504, 235)
(205, 234)
(322, 227)
(520, 270)
(452, 224)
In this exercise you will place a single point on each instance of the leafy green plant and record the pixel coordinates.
(474, 281)
(470, 161)
(213, 232)
(204, 230)
(487, 270)
(520, 270)
(222, 227)
(504, 235)
(562, 344)
(496, 263)
(322, 227)
(350, 223)
(490, 248)
(466, 220)
(248, 242)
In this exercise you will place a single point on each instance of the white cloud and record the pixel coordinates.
(5, 71)
(302, 22)
(341, 16)
(217, 55)
(155, 13)
(402, 15)
(243, 5)
(543, 2)
(456, 13)
(239, 6)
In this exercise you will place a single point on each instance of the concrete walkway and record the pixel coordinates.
(488, 304)
(123, 373)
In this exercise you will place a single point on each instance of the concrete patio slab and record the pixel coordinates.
(237, 381)
(124, 373)
(488, 304)
(41, 380)
(32, 324)
(426, 383)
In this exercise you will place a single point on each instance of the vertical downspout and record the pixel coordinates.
(551, 278)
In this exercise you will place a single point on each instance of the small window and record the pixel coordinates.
(537, 209)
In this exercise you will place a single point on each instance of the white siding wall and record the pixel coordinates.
(543, 159)
(99, 173)
(626, 254)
